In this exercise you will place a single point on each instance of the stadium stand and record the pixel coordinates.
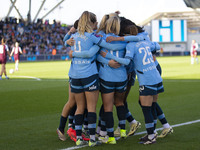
(34, 38)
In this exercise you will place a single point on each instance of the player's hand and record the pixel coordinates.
(9, 57)
(114, 64)
(110, 39)
(100, 35)
(71, 41)
(70, 53)
(103, 53)
(72, 30)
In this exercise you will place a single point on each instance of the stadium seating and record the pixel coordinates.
(34, 38)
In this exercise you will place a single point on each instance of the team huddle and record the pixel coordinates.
(106, 60)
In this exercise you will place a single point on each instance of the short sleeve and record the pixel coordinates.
(6, 48)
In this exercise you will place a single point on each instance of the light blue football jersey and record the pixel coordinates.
(83, 67)
(154, 45)
(102, 34)
(145, 68)
(145, 35)
(110, 74)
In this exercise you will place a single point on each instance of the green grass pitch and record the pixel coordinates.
(30, 108)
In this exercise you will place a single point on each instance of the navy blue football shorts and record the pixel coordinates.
(85, 84)
(109, 87)
(155, 89)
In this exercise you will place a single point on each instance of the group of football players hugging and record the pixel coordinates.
(106, 59)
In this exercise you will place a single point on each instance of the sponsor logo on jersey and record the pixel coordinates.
(81, 62)
(92, 87)
(149, 68)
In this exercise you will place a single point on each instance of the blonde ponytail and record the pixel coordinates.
(84, 24)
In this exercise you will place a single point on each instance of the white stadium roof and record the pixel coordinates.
(192, 17)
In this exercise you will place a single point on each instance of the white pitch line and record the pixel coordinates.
(74, 147)
(176, 125)
(181, 80)
(139, 133)
(38, 79)
(47, 80)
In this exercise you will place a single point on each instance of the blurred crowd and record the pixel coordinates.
(35, 38)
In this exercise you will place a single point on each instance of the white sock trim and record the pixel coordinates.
(134, 121)
(166, 125)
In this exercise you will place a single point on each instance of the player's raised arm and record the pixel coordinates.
(112, 63)
(123, 61)
(155, 47)
(71, 31)
(68, 35)
(101, 42)
(125, 38)
(113, 47)
(87, 54)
